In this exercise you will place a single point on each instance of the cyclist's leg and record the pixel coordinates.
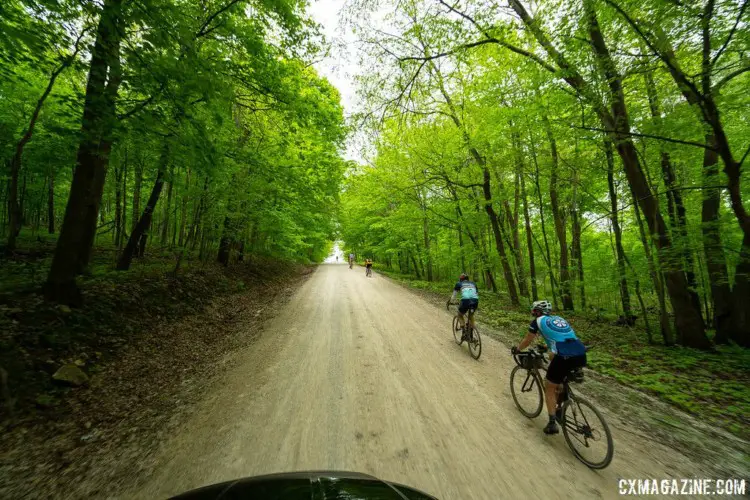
(461, 311)
(556, 372)
(471, 318)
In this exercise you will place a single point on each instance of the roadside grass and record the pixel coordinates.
(713, 386)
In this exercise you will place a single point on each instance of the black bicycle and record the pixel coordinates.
(583, 426)
(468, 333)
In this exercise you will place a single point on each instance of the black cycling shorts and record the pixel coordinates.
(467, 304)
(560, 367)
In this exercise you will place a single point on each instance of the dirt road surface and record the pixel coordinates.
(359, 374)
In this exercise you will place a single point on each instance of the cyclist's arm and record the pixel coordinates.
(528, 339)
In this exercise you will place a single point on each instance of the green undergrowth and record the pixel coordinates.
(714, 386)
(37, 337)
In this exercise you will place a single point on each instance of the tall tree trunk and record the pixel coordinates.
(513, 217)
(559, 219)
(553, 282)
(576, 251)
(656, 277)
(167, 208)
(713, 247)
(615, 218)
(675, 204)
(137, 241)
(79, 224)
(225, 244)
(51, 204)
(124, 216)
(138, 181)
(461, 254)
(426, 237)
(118, 205)
(416, 267)
(183, 210)
(529, 242)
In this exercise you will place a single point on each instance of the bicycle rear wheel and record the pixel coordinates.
(526, 388)
(475, 343)
(457, 331)
(587, 433)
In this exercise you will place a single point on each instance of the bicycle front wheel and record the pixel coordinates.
(457, 331)
(526, 388)
(587, 433)
(475, 343)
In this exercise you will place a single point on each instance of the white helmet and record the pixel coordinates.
(543, 306)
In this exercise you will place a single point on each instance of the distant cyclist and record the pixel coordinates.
(567, 353)
(469, 299)
(351, 260)
(368, 267)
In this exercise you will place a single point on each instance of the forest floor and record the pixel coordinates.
(147, 342)
(713, 387)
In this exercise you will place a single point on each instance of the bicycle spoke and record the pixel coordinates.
(582, 436)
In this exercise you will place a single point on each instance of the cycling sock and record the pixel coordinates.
(552, 418)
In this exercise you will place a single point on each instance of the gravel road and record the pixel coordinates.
(360, 374)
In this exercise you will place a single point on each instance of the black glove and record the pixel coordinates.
(514, 350)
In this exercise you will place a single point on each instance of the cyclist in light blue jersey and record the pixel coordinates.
(567, 353)
(469, 299)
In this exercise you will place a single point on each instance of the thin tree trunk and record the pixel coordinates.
(118, 205)
(559, 219)
(576, 251)
(167, 208)
(552, 280)
(183, 211)
(51, 204)
(416, 267)
(124, 221)
(713, 246)
(137, 241)
(138, 181)
(426, 237)
(529, 242)
(615, 218)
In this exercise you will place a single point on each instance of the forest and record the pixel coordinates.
(589, 153)
(197, 131)
(172, 172)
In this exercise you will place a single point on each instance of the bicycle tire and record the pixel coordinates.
(457, 332)
(532, 378)
(474, 343)
(584, 428)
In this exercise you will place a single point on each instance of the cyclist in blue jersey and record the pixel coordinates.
(567, 353)
(469, 298)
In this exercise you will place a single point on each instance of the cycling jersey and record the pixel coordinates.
(467, 289)
(559, 335)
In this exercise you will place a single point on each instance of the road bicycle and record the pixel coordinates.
(468, 333)
(368, 272)
(582, 424)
